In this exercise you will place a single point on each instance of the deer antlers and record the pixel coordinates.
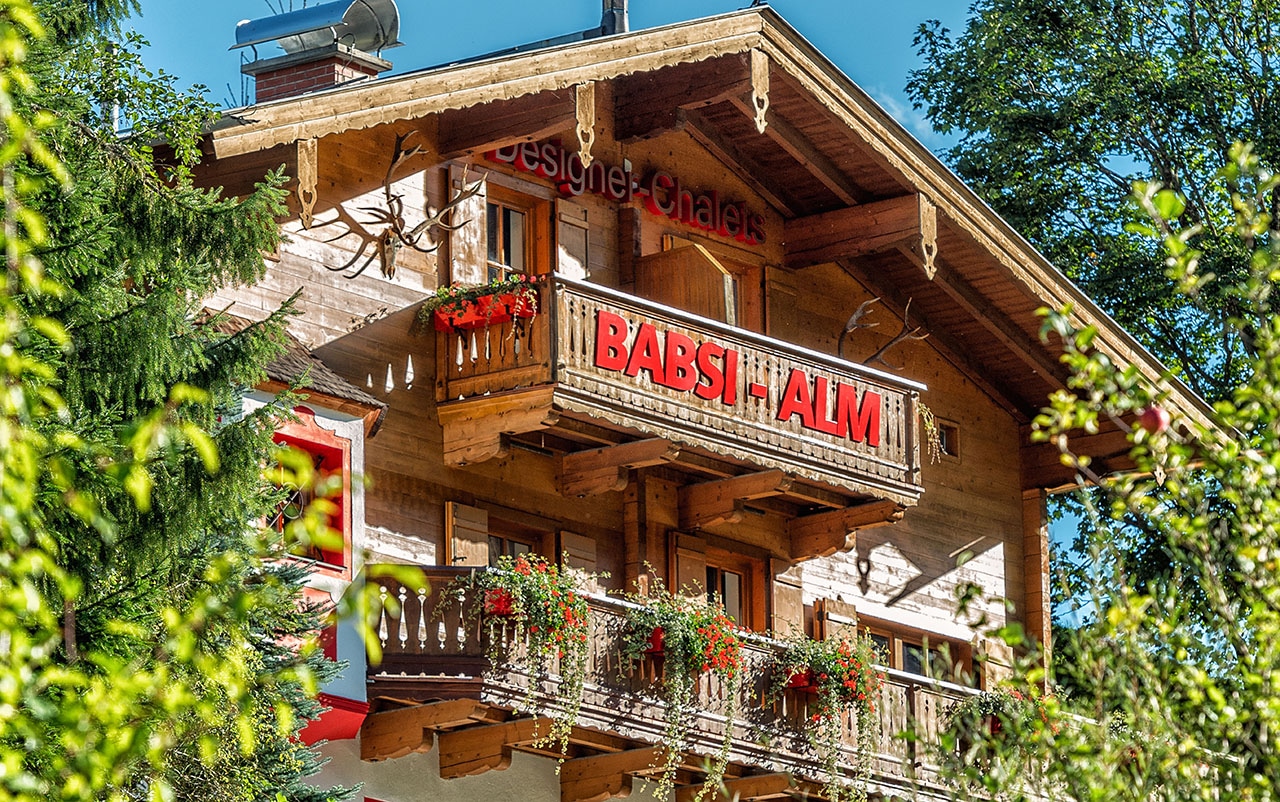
(394, 233)
(907, 333)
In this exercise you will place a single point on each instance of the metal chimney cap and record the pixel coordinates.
(368, 25)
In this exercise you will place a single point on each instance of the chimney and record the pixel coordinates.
(614, 19)
(324, 46)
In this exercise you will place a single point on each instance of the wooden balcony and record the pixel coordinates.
(648, 371)
(435, 667)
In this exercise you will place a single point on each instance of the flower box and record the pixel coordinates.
(657, 642)
(483, 311)
(803, 681)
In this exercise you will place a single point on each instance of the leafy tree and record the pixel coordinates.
(1061, 105)
(146, 645)
(1164, 721)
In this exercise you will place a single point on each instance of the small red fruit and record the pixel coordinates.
(1154, 419)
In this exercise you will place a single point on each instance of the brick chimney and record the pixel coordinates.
(311, 70)
(324, 46)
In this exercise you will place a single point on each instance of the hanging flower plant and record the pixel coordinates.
(998, 724)
(542, 602)
(457, 307)
(840, 676)
(691, 637)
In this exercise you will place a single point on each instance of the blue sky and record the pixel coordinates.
(869, 39)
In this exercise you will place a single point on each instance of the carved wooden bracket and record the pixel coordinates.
(466, 752)
(394, 733)
(307, 174)
(718, 502)
(908, 222)
(760, 88)
(477, 432)
(599, 470)
(828, 532)
(584, 103)
(601, 777)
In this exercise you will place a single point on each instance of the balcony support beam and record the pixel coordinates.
(828, 532)
(752, 786)
(909, 222)
(394, 733)
(601, 777)
(718, 502)
(476, 430)
(599, 470)
(480, 749)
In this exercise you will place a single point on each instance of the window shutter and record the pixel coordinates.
(688, 278)
(688, 565)
(834, 619)
(788, 600)
(997, 662)
(572, 239)
(468, 244)
(466, 535)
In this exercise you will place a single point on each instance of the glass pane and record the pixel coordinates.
(731, 593)
(495, 550)
(913, 658)
(494, 238)
(518, 548)
(514, 242)
(882, 647)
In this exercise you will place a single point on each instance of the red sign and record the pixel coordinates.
(662, 193)
(711, 372)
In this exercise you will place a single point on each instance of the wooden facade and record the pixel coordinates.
(704, 206)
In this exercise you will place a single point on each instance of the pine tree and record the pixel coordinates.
(149, 480)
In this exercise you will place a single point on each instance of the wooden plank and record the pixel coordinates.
(466, 132)
(828, 532)
(600, 777)
(800, 148)
(598, 470)
(473, 429)
(476, 750)
(854, 231)
(741, 165)
(647, 105)
(394, 733)
(710, 503)
(754, 786)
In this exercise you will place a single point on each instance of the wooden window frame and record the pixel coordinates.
(308, 436)
(537, 236)
(900, 638)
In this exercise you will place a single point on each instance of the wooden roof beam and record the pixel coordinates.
(648, 105)
(860, 230)
(599, 470)
(720, 501)
(828, 532)
(476, 750)
(601, 777)
(394, 733)
(742, 166)
(799, 147)
(530, 118)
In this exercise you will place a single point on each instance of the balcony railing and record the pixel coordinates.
(435, 653)
(645, 366)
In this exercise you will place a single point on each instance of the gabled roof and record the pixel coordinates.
(827, 147)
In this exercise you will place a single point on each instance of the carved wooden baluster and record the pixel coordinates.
(422, 619)
(441, 636)
(474, 354)
(382, 616)
(403, 632)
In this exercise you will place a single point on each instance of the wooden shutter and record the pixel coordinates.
(572, 241)
(788, 600)
(688, 565)
(998, 662)
(834, 619)
(688, 278)
(466, 535)
(578, 551)
(468, 244)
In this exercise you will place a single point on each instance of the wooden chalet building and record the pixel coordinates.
(703, 206)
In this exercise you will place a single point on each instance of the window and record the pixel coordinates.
(508, 243)
(726, 587)
(949, 439)
(500, 546)
(330, 454)
(917, 653)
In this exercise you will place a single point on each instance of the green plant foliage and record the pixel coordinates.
(1175, 680)
(844, 677)
(148, 646)
(691, 636)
